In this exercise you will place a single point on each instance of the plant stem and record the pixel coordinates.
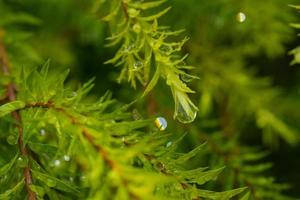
(11, 96)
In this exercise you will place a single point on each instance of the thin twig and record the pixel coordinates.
(11, 96)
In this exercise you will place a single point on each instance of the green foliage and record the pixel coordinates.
(144, 45)
(61, 140)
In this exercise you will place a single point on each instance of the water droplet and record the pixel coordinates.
(12, 139)
(42, 132)
(136, 28)
(136, 115)
(56, 163)
(50, 183)
(74, 94)
(186, 78)
(138, 65)
(185, 110)
(22, 161)
(129, 48)
(169, 144)
(161, 123)
(186, 115)
(71, 178)
(133, 12)
(241, 17)
(67, 158)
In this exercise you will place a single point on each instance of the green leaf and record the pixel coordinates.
(185, 157)
(4, 169)
(220, 195)
(153, 17)
(203, 177)
(153, 82)
(9, 193)
(246, 196)
(55, 182)
(10, 107)
(147, 5)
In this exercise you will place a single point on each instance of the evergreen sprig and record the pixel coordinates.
(61, 145)
(146, 47)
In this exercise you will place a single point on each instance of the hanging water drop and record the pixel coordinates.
(185, 110)
(186, 115)
(161, 123)
(241, 17)
(12, 139)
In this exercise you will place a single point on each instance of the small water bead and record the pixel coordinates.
(129, 48)
(186, 78)
(42, 132)
(241, 17)
(138, 65)
(67, 158)
(136, 115)
(12, 139)
(169, 144)
(136, 28)
(133, 12)
(57, 163)
(22, 161)
(161, 123)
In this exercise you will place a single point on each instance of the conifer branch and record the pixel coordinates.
(102, 151)
(11, 96)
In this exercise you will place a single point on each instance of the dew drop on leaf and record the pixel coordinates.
(161, 123)
(22, 161)
(169, 144)
(67, 158)
(136, 28)
(42, 132)
(136, 115)
(138, 65)
(12, 139)
(186, 78)
(56, 163)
